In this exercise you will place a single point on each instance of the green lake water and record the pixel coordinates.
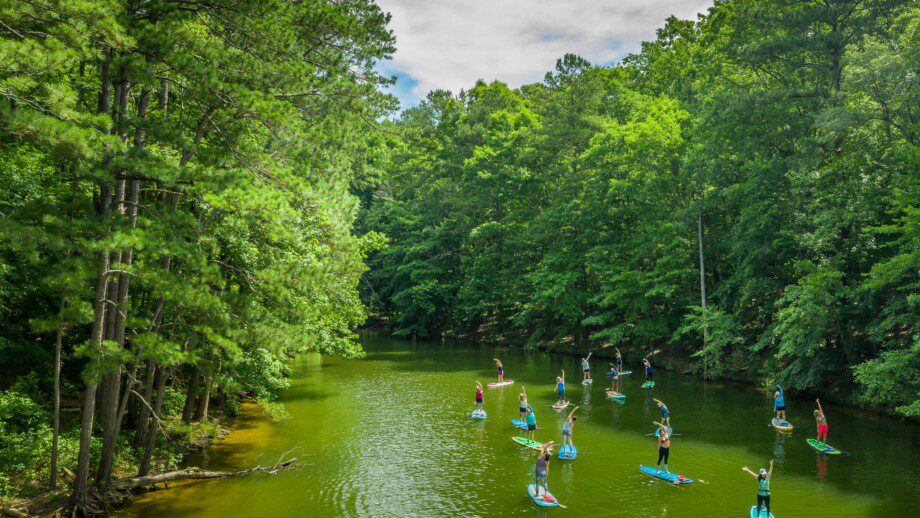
(391, 435)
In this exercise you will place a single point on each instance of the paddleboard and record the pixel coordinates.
(478, 414)
(779, 424)
(648, 384)
(546, 499)
(560, 405)
(761, 514)
(519, 424)
(568, 452)
(620, 396)
(821, 447)
(524, 441)
(502, 384)
(587, 381)
(670, 477)
(658, 431)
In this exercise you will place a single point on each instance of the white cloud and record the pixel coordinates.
(450, 44)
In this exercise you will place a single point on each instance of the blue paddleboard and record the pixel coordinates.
(762, 514)
(519, 424)
(670, 477)
(478, 414)
(568, 452)
(546, 499)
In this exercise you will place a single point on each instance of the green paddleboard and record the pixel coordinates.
(823, 448)
(523, 441)
(648, 384)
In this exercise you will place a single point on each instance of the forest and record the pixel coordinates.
(175, 219)
(194, 192)
(771, 145)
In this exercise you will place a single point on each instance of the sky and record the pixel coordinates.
(450, 44)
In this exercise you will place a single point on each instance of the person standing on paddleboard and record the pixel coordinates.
(664, 446)
(479, 399)
(542, 468)
(531, 420)
(763, 486)
(614, 376)
(779, 403)
(560, 387)
(821, 421)
(648, 370)
(568, 427)
(501, 370)
(522, 404)
(586, 368)
(619, 361)
(665, 413)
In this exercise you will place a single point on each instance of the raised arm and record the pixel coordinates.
(618, 351)
(656, 401)
(589, 356)
(819, 406)
(752, 473)
(479, 385)
(770, 473)
(523, 391)
(663, 427)
(572, 413)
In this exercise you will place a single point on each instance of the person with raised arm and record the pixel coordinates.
(501, 370)
(479, 398)
(665, 413)
(763, 487)
(649, 375)
(568, 427)
(560, 387)
(522, 404)
(619, 361)
(586, 368)
(541, 470)
(821, 421)
(664, 446)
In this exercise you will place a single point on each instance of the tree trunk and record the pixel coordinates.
(144, 412)
(154, 426)
(191, 396)
(81, 478)
(57, 397)
(699, 235)
(201, 412)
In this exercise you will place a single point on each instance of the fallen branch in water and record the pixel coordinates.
(106, 502)
(193, 474)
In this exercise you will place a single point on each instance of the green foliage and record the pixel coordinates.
(565, 212)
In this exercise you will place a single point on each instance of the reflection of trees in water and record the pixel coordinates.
(779, 447)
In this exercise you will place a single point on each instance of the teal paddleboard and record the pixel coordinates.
(670, 477)
(619, 396)
(546, 499)
(761, 514)
(519, 424)
(568, 452)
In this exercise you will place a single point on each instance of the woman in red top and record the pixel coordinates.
(478, 396)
